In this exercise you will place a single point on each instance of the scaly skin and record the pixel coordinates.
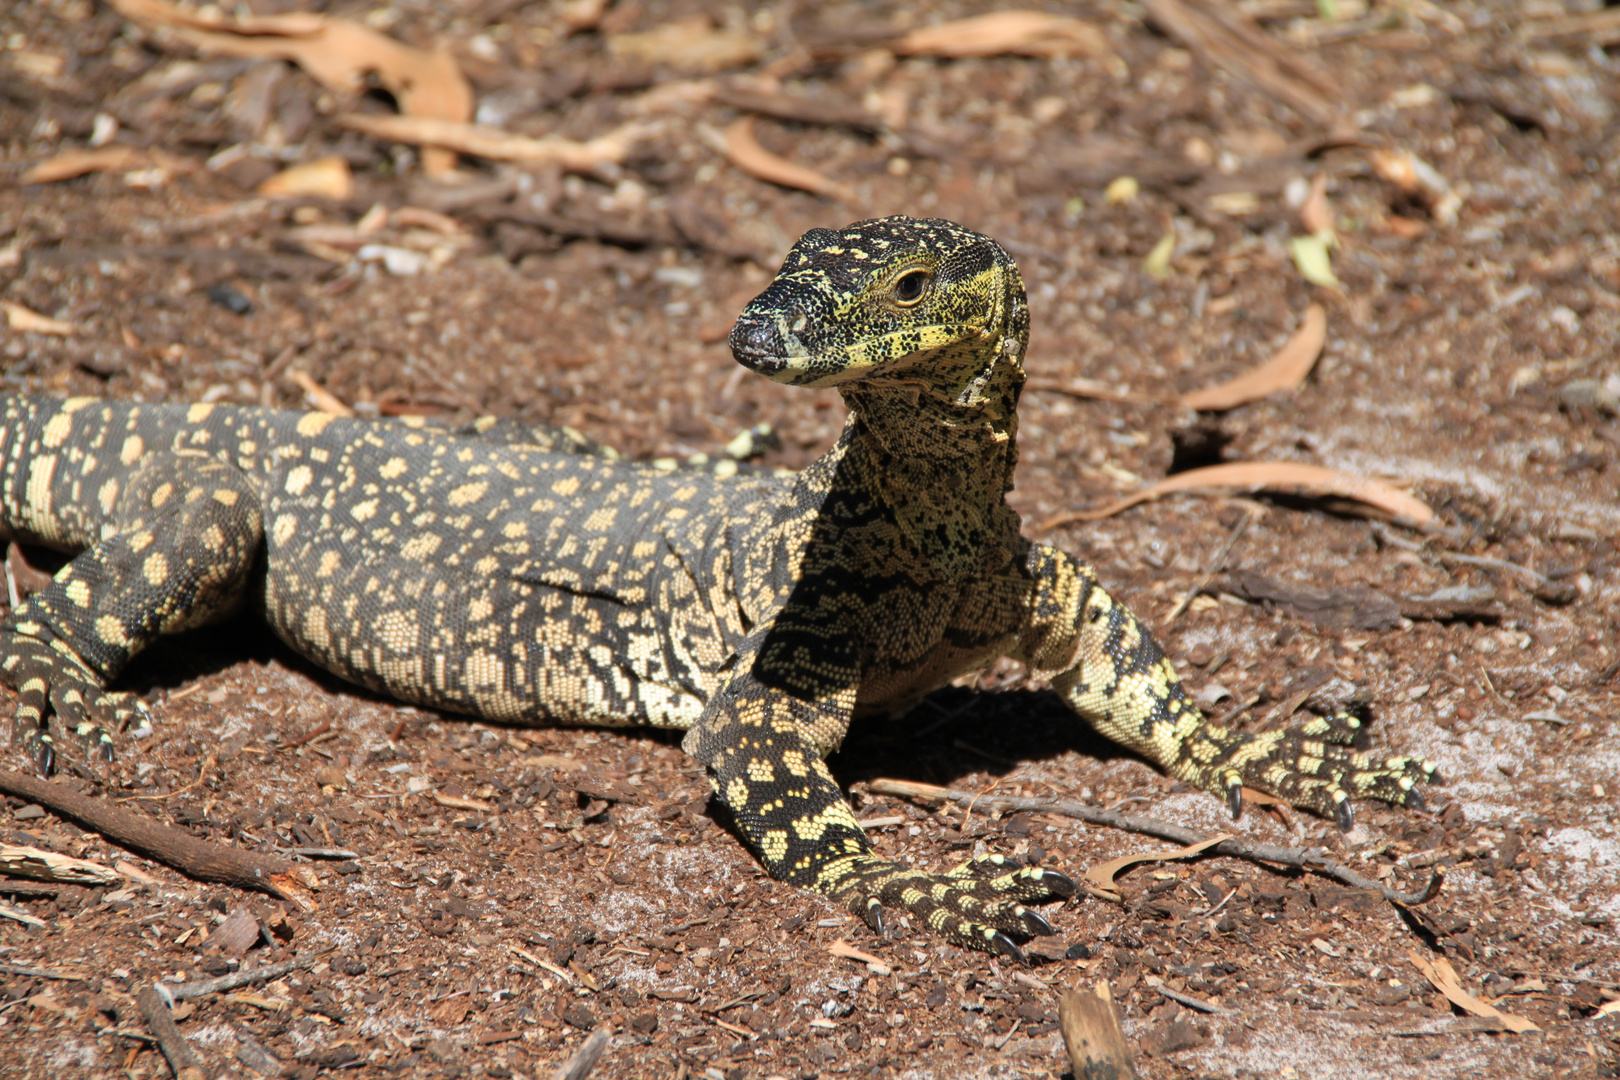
(526, 576)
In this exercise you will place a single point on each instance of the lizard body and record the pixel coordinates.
(524, 576)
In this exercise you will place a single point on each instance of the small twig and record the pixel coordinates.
(1212, 568)
(182, 1059)
(1493, 564)
(1188, 1000)
(18, 914)
(41, 973)
(1313, 859)
(308, 736)
(204, 987)
(174, 848)
(584, 1059)
(202, 774)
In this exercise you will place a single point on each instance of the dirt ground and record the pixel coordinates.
(509, 890)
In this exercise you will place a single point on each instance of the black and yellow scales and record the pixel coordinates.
(521, 575)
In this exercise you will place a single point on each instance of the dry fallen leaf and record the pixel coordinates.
(337, 53)
(1102, 877)
(693, 45)
(744, 151)
(1023, 33)
(324, 178)
(1157, 264)
(24, 321)
(498, 145)
(1284, 371)
(71, 163)
(1258, 475)
(1440, 972)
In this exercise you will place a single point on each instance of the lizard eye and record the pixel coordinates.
(910, 288)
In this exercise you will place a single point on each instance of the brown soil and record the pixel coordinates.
(1465, 360)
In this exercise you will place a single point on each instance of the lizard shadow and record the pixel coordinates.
(956, 732)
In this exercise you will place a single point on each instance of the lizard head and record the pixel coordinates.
(906, 302)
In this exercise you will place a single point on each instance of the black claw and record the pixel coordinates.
(1057, 884)
(1234, 800)
(44, 755)
(1344, 815)
(1002, 945)
(1415, 800)
(874, 918)
(1036, 925)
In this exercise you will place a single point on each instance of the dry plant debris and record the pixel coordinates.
(1259, 476)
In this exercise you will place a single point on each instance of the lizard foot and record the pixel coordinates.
(1316, 767)
(52, 681)
(978, 905)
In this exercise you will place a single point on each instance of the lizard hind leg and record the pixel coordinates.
(175, 554)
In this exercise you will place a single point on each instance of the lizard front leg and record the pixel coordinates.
(1111, 671)
(182, 540)
(763, 745)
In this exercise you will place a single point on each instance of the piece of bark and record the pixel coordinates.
(1093, 1036)
(174, 848)
(1353, 608)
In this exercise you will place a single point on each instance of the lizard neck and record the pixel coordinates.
(939, 454)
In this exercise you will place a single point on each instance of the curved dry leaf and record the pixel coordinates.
(1284, 371)
(1258, 475)
(1024, 33)
(1102, 877)
(335, 52)
(71, 163)
(498, 145)
(744, 151)
(1444, 977)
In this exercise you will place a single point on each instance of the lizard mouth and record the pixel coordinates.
(762, 344)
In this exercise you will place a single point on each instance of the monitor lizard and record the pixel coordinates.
(525, 576)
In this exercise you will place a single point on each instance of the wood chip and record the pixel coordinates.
(1444, 977)
(457, 802)
(1264, 475)
(323, 400)
(1286, 370)
(849, 952)
(1093, 1036)
(26, 321)
(744, 151)
(30, 862)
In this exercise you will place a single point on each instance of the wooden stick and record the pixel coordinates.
(1313, 859)
(182, 1059)
(174, 848)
